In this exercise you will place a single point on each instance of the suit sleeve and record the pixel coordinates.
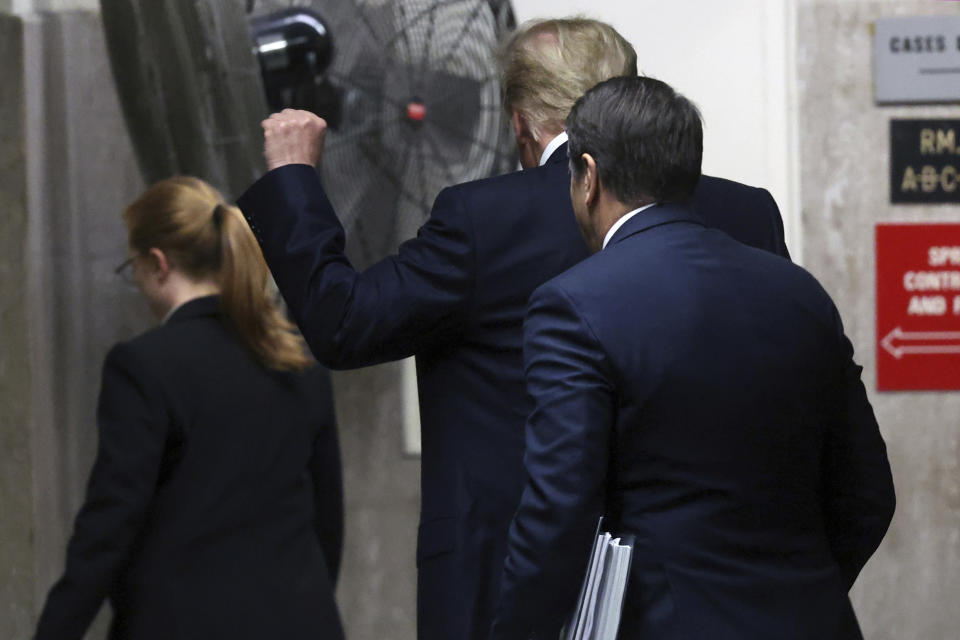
(349, 318)
(777, 240)
(133, 428)
(858, 495)
(567, 453)
(327, 475)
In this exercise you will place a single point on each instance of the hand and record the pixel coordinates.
(293, 137)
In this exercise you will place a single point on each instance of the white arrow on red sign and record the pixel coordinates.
(897, 342)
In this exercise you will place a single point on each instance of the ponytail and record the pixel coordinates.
(246, 299)
(205, 238)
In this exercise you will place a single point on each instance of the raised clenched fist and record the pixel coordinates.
(293, 137)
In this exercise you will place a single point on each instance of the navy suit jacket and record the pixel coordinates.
(702, 395)
(214, 508)
(455, 297)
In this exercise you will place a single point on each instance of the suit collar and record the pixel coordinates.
(657, 215)
(198, 307)
(555, 143)
(559, 155)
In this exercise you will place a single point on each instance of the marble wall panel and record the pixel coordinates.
(16, 504)
(82, 173)
(910, 587)
(69, 168)
(377, 590)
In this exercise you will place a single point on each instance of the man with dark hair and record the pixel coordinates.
(698, 393)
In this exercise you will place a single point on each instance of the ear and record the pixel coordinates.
(159, 263)
(591, 181)
(520, 129)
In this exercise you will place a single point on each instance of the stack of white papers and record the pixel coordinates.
(597, 616)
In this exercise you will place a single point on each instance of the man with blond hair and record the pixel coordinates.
(454, 296)
(545, 72)
(546, 66)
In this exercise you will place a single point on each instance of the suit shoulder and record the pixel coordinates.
(713, 182)
(510, 184)
(791, 279)
(584, 277)
(138, 354)
(714, 187)
(143, 345)
(151, 340)
(166, 342)
(804, 278)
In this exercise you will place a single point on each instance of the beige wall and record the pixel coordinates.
(67, 170)
(910, 587)
(75, 171)
(734, 59)
(16, 505)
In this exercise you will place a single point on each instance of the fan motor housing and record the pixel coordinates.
(294, 48)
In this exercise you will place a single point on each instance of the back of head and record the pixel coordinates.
(646, 139)
(548, 64)
(206, 239)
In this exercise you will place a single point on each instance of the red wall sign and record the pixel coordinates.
(918, 306)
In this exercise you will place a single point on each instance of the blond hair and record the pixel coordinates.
(204, 237)
(548, 64)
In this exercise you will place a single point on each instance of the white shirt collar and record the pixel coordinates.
(622, 221)
(552, 146)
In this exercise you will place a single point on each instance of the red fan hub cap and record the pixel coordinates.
(416, 111)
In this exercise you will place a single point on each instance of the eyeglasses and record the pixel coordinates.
(125, 270)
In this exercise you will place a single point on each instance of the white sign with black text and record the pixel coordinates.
(917, 59)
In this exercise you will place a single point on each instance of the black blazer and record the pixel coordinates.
(701, 394)
(454, 296)
(214, 508)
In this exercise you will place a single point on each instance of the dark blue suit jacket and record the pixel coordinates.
(703, 396)
(214, 508)
(455, 297)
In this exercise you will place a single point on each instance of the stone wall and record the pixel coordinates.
(68, 169)
(23, 7)
(16, 506)
(910, 587)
